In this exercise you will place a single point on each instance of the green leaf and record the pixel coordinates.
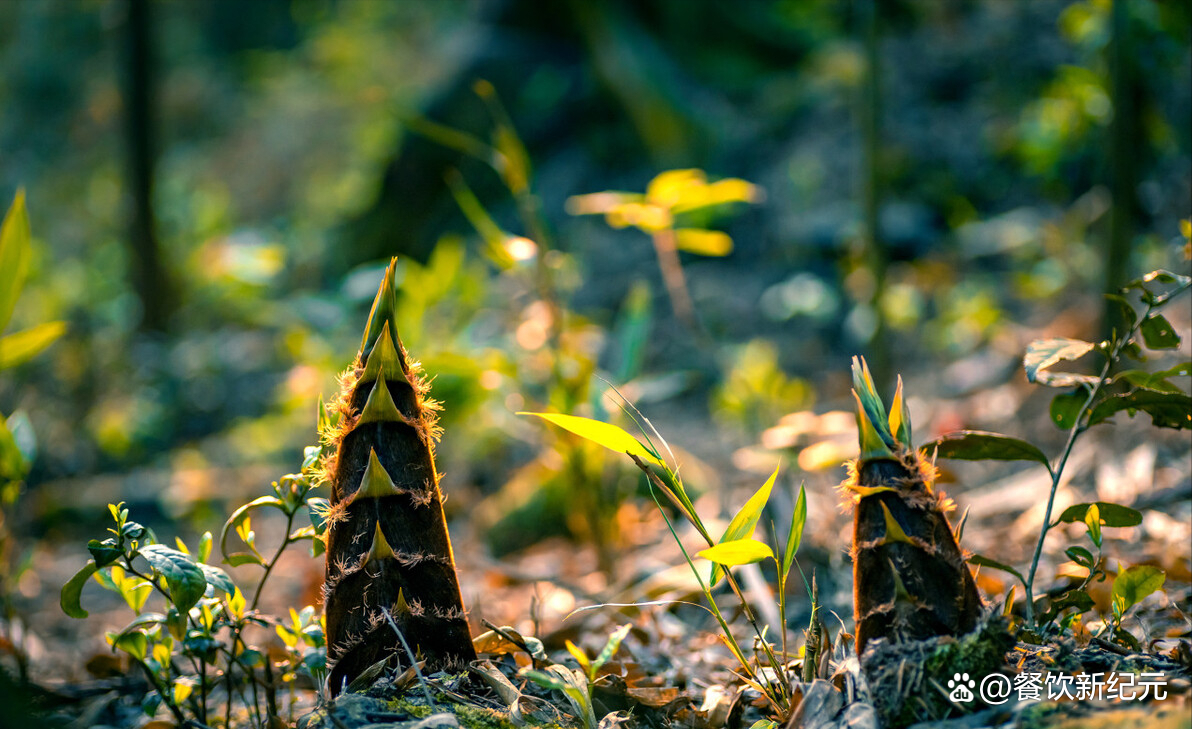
(1133, 585)
(184, 579)
(745, 521)
(604, 434)
(72, 591)
(873, 425)
(1167, 409)
(1112, 515)
(1043, 353)
(981, 561)
(738, 552)
(217, 578)
(13, 465)
(1158, 333)
(134, 643)
(1126, 313)
(795, 537)
(1078, 599)
(205, 547)
(1152, 380)
(1065, 408)
(979, 445)
(610, 648)
(15, 251)
(105, 552)
(22, 346)
(1080, 556)
(237, 559)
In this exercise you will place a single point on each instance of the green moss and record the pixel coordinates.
(908, 680)
(470, 717)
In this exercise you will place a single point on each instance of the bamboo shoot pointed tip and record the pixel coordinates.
(894, 531)
(376, 482)
(384, 357)
(383, 310)
(380, 408)
(379, 549)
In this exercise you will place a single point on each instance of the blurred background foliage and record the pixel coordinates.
(214, 189)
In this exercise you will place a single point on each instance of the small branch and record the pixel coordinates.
(413, 658)
(672, 276)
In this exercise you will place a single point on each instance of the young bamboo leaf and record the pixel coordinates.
(22, 346)
(736, 553)
(1043, 353)
(1158, 333)
(978, 445)
(981, 561)
(795, 537)
(870, 408)
(1112, 515)
(1133, 585)
(15, 251)
(184, 578)
(580, 657)
(610, 647)
(745, 520)
(600, 433)
(72, 591)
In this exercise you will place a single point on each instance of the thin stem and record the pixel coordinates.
(162, 692)
(672, 276)
(276, 556)
(1078, 427)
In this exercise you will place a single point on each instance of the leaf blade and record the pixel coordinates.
(22, 346)
(737, 553)
(980, 445)
(745, 520)
(604, 434)
(15, 251)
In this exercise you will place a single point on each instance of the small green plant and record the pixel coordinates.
(17, 444)
(671, 198)
(576, 685)
(1087, 400)
(198, 639)
(767, 670)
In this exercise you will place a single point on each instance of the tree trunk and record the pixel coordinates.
(388, 550)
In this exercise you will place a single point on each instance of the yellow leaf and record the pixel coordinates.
(15, 251)
(609, 436)
(578, 654)
(737, 552)
(703, 242)
(745, 520)
(722, 192)
(670, 187)
(28, 343)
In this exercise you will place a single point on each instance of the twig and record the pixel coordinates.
(413, 658)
